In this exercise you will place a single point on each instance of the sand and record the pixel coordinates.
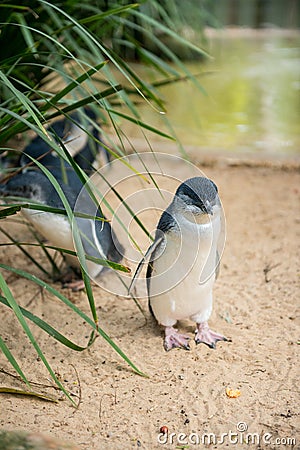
(256, 299)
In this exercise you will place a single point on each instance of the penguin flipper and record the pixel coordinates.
(149, 252)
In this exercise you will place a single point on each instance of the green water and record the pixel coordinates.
(252, 100)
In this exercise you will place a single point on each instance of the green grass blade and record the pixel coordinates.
(102, 262)
(45, 208)
(100, 16)
(10, 211)
(24, 251)
(141, 124)
(49, 257)
(47, 328)
(30, 107)
(16, 309)
(125, 204)
(22, 8)
(57, 97)
(170, 32)
(87, 101)
(74, 308)
(148, 92)
(97, 44)
(26, 33)
(27, 123)
(5, 350)
(76, 237)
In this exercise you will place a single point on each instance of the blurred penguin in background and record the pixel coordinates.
(32, 184)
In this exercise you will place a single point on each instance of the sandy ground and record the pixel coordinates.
(256, 300)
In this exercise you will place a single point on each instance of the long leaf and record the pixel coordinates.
(101, 262)
(140, 123)
(13, 209)
(74, 308)
(98, 44)
(5, 350)
(170, 32)
(16, 309)
(87, 101)
(23, 250)
(23, 123)
(10, 211)
(65, 91)
(47, 328)
(101, 16)
(76, 236)
(31, 108)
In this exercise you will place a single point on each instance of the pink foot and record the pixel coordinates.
(76, 286)
(207, 336)
(174, 339)
(71, 280)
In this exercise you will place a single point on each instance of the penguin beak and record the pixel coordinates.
(208, 208)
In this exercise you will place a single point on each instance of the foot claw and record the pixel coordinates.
(173, 339)
(207, 336)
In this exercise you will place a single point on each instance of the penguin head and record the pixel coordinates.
(31, 185)
(197, 195)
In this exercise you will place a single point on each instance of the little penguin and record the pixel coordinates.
(98, 238)
(72, 132)
(184, 263)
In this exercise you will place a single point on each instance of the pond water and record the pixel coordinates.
(251, 100)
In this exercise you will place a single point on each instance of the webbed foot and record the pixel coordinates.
(173, 339)
(75, 286)
(205, 335)
(71, 280)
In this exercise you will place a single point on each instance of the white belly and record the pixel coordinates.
(56, 229)
(76, 140)
(183, 276)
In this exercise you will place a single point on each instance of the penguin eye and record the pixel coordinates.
(201, 207)
(193, 201)
(21, 189)
(199, 204)
(196, 201)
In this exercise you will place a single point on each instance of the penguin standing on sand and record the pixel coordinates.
(184, 261)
